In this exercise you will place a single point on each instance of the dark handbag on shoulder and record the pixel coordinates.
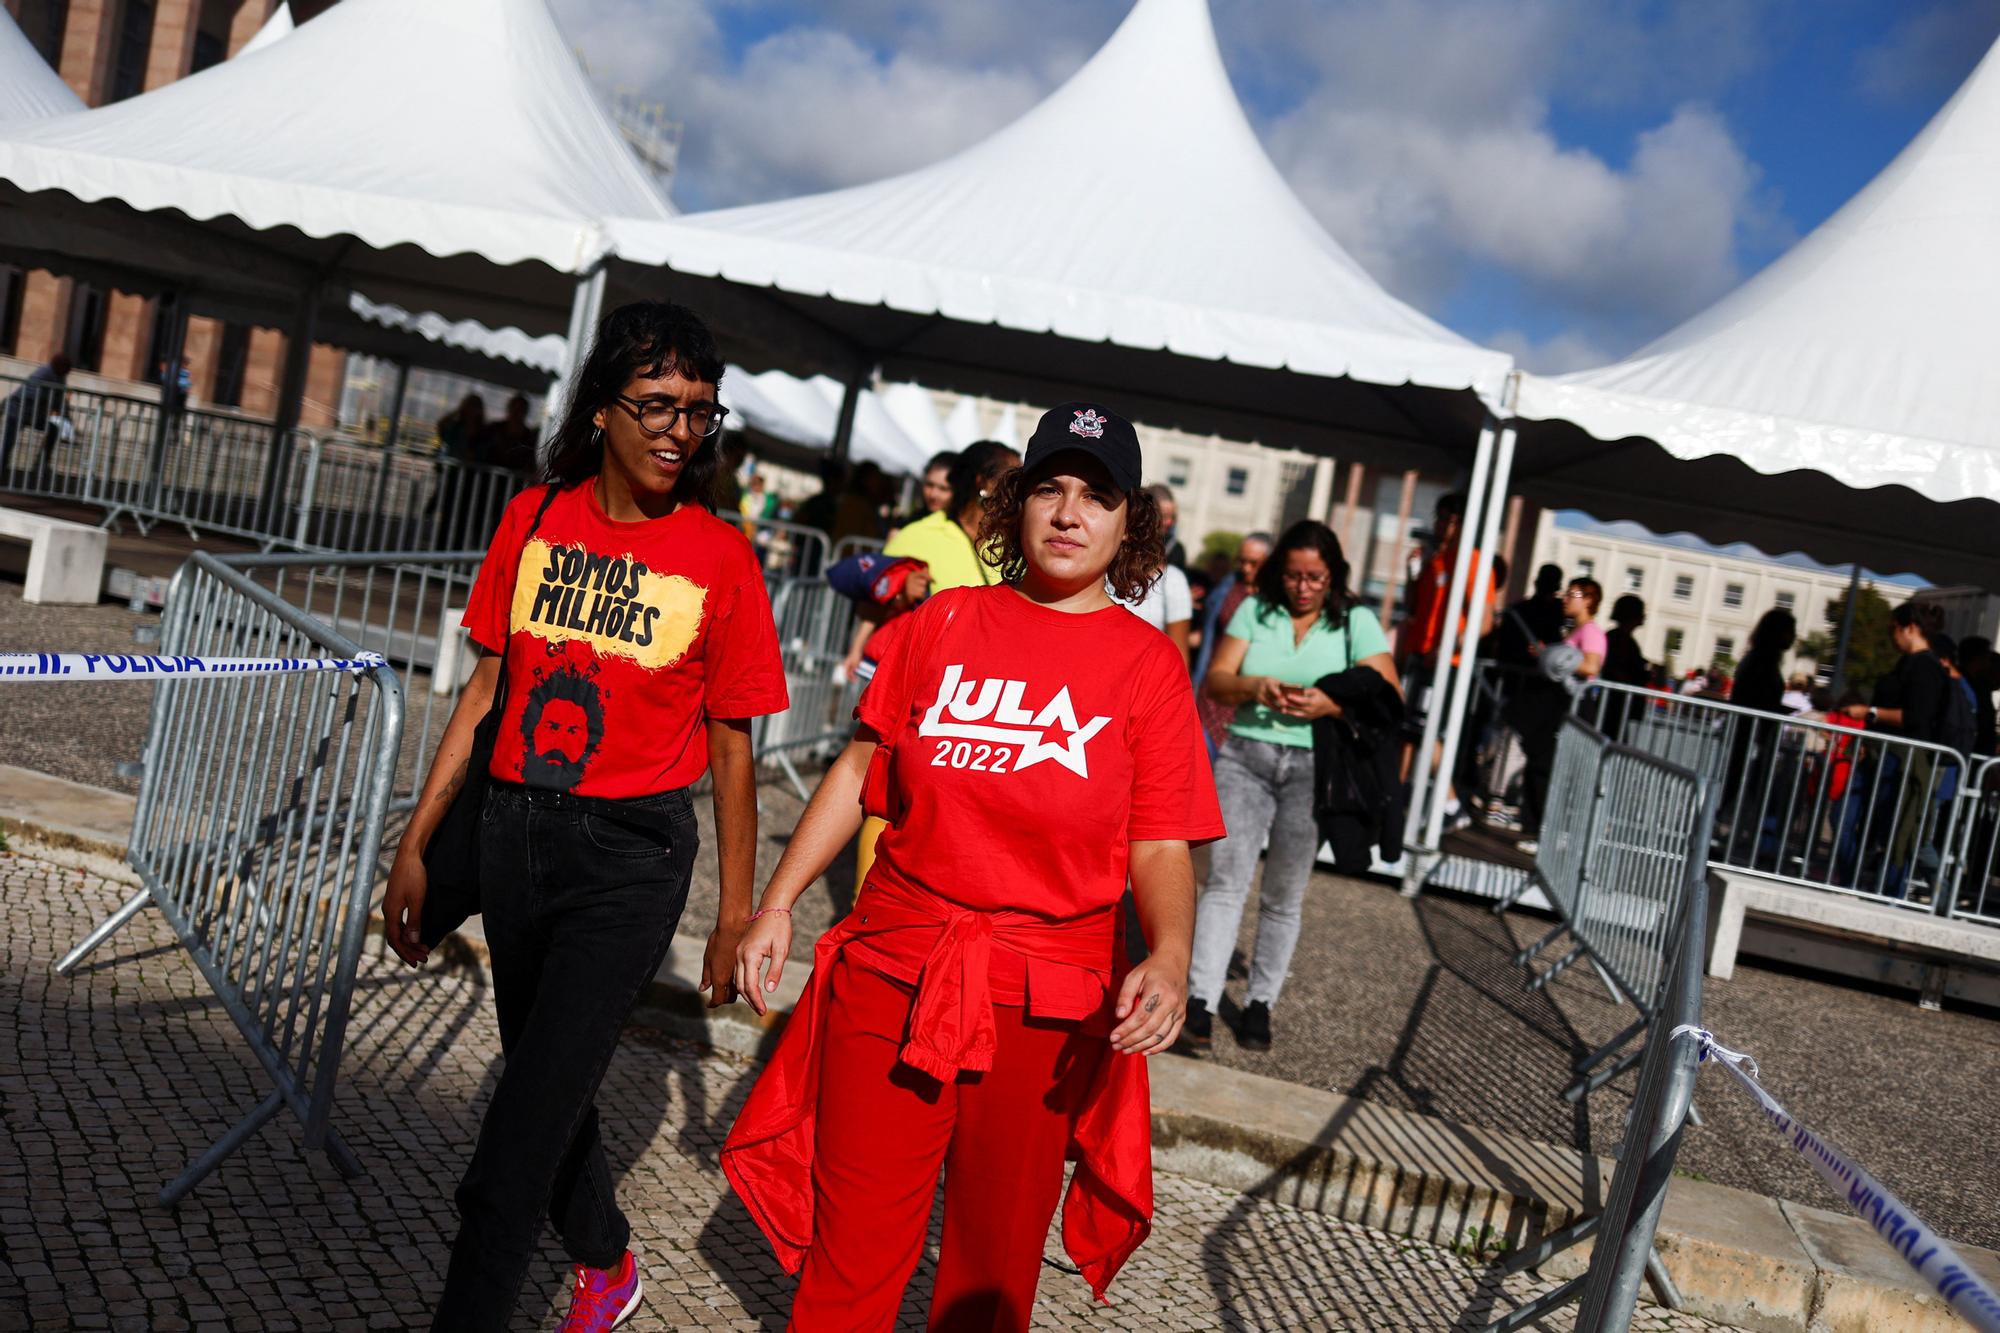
(451, 858)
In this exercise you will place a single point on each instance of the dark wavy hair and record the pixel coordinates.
(1141, 557)
(972, 469)
(646, 339)
(1305, 535)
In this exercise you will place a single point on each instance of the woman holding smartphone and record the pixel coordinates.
(1031, 743)
(1302, 625)
(637, 644)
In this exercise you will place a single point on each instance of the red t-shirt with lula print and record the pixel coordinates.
(1037, 746)
(627, 638)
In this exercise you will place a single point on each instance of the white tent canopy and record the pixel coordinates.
(804, 412)
(276, 28)
(449, 139)
(1843, 402)
(915, 411)
(1127, 237)
(29, 89)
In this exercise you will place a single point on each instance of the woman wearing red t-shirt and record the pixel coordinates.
(626, 631)
(1031, 743)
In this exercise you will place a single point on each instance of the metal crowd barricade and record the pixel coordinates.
(210, 472)
(1809, 802)
(814, 623)
(1622, 1255)
(1615, 832)
(256, 834)
(1976, 896)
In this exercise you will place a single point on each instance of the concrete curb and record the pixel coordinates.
(1739, 1258)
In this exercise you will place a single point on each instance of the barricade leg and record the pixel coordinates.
(1525, 956)
(221, 1148)
(1604, 1052)
(1544, 978)
(104, 931)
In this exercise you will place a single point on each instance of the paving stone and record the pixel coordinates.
(274, 1239)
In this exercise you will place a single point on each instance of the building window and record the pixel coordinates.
(1676, 637)
(1239, 481)
(135, 40)
(231, 360)
(1787, 601)
(1635, 579)
(1178, 471)
(1732, 595)
(1683, 587)
(1725, 646)
(1586, 568)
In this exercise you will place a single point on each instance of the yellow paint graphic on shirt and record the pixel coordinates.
(611, 602)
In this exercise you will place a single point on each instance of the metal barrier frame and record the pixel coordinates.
(291, 1005)
(1623, 1256)
(1977, 864)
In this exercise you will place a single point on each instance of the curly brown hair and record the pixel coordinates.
(1139, 558)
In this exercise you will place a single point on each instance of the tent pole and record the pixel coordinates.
(396, 399)
(1465, 678)
(291, 395)
(850, 403)
(173, 310)
(1846, 632)
(1418, 858)
(586, 307)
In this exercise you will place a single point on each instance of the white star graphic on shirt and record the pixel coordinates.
(1001, 700)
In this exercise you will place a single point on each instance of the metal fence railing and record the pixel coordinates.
(1808, 802)
(1616, 832)
(256, 834)
(212, 472)
(1976, 892)
(1633, 832)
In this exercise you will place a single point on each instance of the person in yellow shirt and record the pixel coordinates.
(948, 542)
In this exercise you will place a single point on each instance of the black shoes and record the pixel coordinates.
(1253, 1032)
(1198, 1031)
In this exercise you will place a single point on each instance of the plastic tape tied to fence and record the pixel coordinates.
(155, 666)
(1900, 1228)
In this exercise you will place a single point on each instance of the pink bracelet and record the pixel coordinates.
(766, 911)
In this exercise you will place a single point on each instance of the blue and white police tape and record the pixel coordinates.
(1906, 1233)
(153, 666)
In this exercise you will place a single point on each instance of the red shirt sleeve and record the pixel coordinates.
(489, 608)
(1173, 787)
(746, 674)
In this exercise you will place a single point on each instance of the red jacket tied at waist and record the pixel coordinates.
(1108, 1209)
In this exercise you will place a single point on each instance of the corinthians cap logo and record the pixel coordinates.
(1088, 424)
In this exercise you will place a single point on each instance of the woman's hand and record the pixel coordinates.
(767, 942)
(1153, 1005)
(1271, 693)
(1310, 703)
(403, 906)
(718, 964)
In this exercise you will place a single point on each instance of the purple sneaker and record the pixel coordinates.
(603, 1298)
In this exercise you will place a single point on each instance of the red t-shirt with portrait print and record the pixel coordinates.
(626, 639)
(1037, 746)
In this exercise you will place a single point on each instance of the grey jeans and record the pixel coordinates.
(1264, 789)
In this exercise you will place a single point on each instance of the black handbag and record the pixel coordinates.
(451, 858)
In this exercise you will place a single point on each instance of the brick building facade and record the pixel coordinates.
(107, 50)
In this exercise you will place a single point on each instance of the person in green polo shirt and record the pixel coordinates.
(1302, 625)
(948, 540)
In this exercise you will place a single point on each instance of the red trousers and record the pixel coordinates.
(882, 1132)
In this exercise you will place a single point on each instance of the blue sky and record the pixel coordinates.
(1562, 178)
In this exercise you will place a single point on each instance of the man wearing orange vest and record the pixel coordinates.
(1417, 638)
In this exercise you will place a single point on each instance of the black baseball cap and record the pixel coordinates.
(1092, 429)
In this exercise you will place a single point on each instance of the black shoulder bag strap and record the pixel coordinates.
(451, 858)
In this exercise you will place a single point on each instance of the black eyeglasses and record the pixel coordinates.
(656, 416)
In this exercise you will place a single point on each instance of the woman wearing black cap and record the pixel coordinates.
(1032, 745)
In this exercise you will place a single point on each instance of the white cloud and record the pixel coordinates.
(1930, 50)
(1549, 356)
(1419, 131)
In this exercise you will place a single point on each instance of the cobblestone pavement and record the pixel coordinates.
(1411, 1004)
(128, 1068)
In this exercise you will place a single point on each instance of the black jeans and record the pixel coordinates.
(579, 898)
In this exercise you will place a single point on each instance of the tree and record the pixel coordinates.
(1223, 544)
(1871, 653)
